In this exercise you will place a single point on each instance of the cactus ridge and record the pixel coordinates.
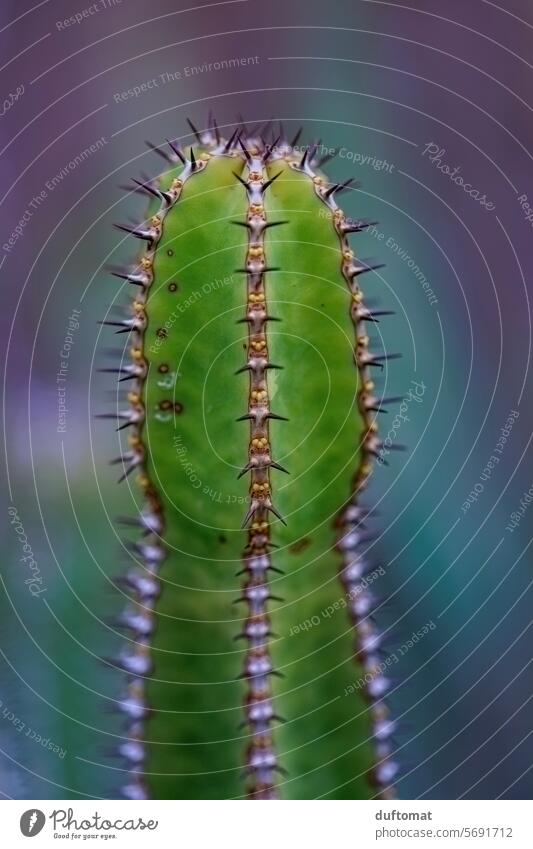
(254, 162)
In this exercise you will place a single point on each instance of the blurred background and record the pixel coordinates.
(430, 105)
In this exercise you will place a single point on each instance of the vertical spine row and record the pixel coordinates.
(142, 581)
(260, 760)
(351, 536)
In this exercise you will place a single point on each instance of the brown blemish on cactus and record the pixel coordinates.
(299, 546)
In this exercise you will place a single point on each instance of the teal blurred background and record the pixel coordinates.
(408, 93)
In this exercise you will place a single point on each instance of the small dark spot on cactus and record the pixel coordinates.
(163, 368)
(170, 252)
(172, 287)
(299, 546)
(165, 405)
(178, 408)
(161, 333)
(222, 539)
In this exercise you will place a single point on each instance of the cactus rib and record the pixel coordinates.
(144, 583)
(261, 761)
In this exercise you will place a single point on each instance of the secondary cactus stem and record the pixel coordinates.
(143, 580)
(261, 762)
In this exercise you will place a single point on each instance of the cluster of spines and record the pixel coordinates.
(261, 760)
(143, 582)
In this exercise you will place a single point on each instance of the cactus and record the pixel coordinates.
(251, 433)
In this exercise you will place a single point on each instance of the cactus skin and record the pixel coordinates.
(243, 342)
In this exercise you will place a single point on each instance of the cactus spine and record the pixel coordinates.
(287, 295)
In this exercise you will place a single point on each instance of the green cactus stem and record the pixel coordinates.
(251, 434)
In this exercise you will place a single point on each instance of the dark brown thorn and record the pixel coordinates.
(159, 152)
(124, 276)
(133, 231)
(193, 160)
(303, 160)
(273, 224)
(125, 425)
(116, 460)
(249, 515)
(269, 148)
(243, 369)
(313, 149)
(273, 510)
(377, 358)
(244, 470)
(248, 320)
(128, 376)
(176, 150)
(269, 182)
(358, 226)
(230, 141)
(245, 150)
(276, 417)
(195, 131)
(339, 187)
(365, 266)
(127, 472)
(240, 179)
(370, 315)
(114, 324)
(245, 418)
(277, 466)
(296, 137)
(273, 366)
(262, 271)
(216, 130)
(376, 409)
(150, 189)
